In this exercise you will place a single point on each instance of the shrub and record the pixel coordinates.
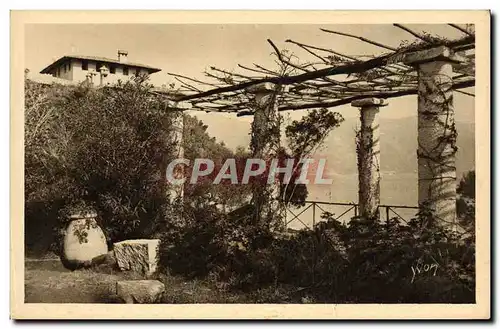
(361, 262)
(466, 203)
(387, 263)
(207, 239)
(104, 147)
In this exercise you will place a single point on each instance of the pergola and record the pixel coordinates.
(431, 67)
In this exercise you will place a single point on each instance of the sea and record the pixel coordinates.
(396, 189)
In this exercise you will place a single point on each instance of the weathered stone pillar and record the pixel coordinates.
(90, 77)
(177, 190)
(264, 138)
(368, 150)
(265, 110)
(104, 72)
(178, 138)
(436, 132)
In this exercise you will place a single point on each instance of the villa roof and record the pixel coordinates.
(61, 60)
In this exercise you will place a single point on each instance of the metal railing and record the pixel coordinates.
(385, 211)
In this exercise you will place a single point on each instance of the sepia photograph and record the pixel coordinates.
(305, 164)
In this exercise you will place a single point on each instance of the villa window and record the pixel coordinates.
(112, 69)
(125, 70)
(85, 65)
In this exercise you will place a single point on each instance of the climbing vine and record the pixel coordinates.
(265, 144)
(437, 146)
(369, 186)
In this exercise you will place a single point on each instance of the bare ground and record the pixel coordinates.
(47, 281)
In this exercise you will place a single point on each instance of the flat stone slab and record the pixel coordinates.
(367, 102)
(440, 53)
(139, 255)
(140, 291)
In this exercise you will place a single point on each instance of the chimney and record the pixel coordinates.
(122, 56)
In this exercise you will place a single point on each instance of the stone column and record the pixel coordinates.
(265, 197)
(436, 132)
(177, 191)
(103, 70)
(368, 150)
(90, 77)
(264, 111)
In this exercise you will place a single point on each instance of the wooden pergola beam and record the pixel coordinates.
(375, 43)
(385, 95)
(461, 29)
(343, 69)
(415, 34)
(242, 110)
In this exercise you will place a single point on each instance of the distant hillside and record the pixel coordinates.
(398, 146)
(398, 143)
(398, 158)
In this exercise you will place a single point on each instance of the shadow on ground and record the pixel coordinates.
(47, 281)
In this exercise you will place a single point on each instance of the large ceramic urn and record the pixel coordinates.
(83, 240)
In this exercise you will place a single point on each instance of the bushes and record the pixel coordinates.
(100, 148)
(392, 263)
(387, 263)
(466, 202)
(209, 240)
(363, 262)
(192, 248)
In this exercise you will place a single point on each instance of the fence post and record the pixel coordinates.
(314, 214)
(286, 219)
(387, 215)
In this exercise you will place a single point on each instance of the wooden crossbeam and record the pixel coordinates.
(388, 94)
(415, 34)
(461, 29)
(343, 69)
(375, 43)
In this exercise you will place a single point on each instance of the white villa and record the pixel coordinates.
(97, 70)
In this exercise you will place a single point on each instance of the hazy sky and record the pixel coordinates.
(191, 48)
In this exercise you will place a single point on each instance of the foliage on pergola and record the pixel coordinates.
(332, 79)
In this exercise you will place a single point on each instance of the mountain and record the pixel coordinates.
(398, 146)
(398, 143)
(398, 154)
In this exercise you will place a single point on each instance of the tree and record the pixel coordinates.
(304, 137)
(103, 149)
(44, 147)
(44, 140)
(199, 144)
